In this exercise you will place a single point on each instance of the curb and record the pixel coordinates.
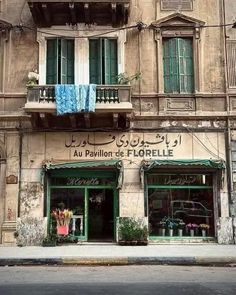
(99, 261)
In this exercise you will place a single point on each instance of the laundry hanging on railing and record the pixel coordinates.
(75, 98)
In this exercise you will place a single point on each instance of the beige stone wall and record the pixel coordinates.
(132, 148)
(140, 49)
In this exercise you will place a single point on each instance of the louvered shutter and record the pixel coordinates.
(95, 65)
(231, 59)
(110, 61)
(185, 52)
(178, 65)
(52, 61)
(171, 71)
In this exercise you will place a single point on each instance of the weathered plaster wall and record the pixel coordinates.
(30, 230)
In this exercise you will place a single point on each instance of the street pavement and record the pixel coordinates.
(113, 254)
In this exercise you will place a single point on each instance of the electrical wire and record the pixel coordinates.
(80, 37)
(193, 135)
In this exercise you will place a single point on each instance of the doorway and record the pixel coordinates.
(101, 215)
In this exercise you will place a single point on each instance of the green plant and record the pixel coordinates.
(131, 229)
(123, 78)
(49, 241)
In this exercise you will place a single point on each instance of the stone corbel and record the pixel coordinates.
(197, 33)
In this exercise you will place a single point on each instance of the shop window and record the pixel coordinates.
(176, 4)
(180, 205)
(178, 65)
(72, 200)
(103, 61)
(60, 61)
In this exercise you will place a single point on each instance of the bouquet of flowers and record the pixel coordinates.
(204, 226)
(192, 226)
(62, 217)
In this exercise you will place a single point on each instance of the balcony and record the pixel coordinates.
(47, 13)
(112, 103)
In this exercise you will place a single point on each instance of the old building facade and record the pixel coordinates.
(154, 140)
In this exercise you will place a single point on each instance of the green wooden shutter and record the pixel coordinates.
(52, 61)
(178, 65)
(67, 61)
(95, 65)
(70, 61)
(185, 48)
(110, 61)
(171, 71)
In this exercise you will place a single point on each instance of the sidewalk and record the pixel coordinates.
(112, 254)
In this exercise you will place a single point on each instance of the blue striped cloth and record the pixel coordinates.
(75, 98)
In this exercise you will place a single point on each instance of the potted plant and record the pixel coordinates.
(33, 78)
(162, 225)
(204, 227)
(180, 226)
(123, 78)
(49, 241)
(192, 228)
(132, 231)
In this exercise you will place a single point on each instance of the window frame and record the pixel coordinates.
(81, 47)
(180, 90)
(169, 28)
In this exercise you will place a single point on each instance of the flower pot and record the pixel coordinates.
(62, 230)
(171, 232)
(163, 232)
(192, 232)
(180, 232)
(203, 232)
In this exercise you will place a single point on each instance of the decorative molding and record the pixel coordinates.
(180, 104)
(11, 179)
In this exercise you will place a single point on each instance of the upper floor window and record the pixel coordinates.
(176, 4)
(178, 65)
(103, 66)
(60, 61)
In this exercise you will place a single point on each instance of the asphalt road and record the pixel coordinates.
(130, 280)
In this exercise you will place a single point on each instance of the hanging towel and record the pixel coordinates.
(86, 98)
(75, 98)
(65, 98)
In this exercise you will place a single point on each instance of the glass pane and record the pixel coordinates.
(68, 199)
(188, 210)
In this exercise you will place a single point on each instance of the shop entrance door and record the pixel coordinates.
(101, 215)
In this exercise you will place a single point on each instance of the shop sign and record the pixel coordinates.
(121, 146)
(82, 181)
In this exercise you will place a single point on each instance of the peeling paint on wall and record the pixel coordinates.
(30, 197)
(30, 231)
(225, 231)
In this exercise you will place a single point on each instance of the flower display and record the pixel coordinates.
(62, 217)
(204, 226)
(192, 226)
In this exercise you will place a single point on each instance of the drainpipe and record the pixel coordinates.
(20, 166)
(228, 132)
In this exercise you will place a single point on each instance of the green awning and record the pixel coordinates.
(192, 163)
(116, 164)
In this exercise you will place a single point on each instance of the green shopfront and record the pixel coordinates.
(89, 190)
(182, 198)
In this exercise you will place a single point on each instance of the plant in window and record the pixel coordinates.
(62, 218)
(123, 78)
(204, 226)
(192, 226)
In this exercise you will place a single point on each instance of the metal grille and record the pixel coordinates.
(176, 4)
(231, 52)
